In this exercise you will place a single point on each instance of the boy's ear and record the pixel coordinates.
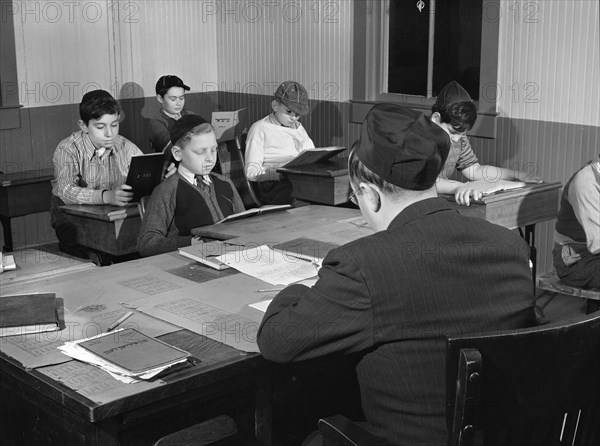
(274, 104)
(159, 98)
(83, 126)
(437, 118)
(372, 196)
(176, 151)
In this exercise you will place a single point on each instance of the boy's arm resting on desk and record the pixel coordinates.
(332, 316)
(158, 234)
(584, 197)
(255, 154)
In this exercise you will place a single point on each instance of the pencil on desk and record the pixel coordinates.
(119, 321)
(269, 290)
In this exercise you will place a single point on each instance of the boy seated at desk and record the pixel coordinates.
(193, 197)
(576, 253)
(455, 112)
(90, 167)
(275, 140)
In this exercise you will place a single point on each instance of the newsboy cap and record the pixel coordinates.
(165, 82)
(403, 147)
(293, 96)
(184, 125)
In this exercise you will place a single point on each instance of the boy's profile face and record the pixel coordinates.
(173, 100)
(102, 131)
(284, 115)
(199, 155)
(447, 127)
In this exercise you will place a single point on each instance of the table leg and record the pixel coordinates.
(8, 242)
(530, 239)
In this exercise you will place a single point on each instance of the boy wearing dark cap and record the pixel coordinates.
(275, 140)
(194, 196)
(170, 92)
(90, 167)
(455, 113)
(392, 297)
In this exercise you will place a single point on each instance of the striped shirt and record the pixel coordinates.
(81, 175)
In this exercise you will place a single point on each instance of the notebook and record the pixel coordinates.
(134, 351)
(145, 173)
(315, 155)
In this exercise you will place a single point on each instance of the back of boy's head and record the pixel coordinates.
(97, 103)
(186, 127)
(455, 107)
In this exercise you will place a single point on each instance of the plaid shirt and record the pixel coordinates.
(81, 175)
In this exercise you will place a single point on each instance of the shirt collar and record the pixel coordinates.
(90, 149)
(191, 176)
(171, 115)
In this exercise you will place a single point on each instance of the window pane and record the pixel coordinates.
(457, 43)
(408, 47)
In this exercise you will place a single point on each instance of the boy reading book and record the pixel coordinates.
(455, 113)
(90, 167)
(194, 196)
(275, 140)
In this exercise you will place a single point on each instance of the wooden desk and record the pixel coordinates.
(37, 409)
(111, 229)
(290, 220)
(518, 208)
(326, 183)
(23, 193)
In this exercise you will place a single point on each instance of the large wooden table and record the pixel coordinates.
(37, 409)
(23, 193)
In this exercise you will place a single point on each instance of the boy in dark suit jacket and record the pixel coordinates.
(193, 197)
(394, 296)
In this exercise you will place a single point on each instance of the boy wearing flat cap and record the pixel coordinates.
(170, 93)
(455, 113)
(392, 297)
(275, 140)
(194, 196)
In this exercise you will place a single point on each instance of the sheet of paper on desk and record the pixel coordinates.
(490, 187)
(270, 266)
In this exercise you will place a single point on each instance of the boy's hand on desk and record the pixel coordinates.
(464, 193)
(119, 197)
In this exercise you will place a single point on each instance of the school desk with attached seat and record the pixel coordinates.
(23, 193)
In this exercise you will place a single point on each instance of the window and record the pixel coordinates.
(9, 96)
(407, 50)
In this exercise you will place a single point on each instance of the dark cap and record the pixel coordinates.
(452, 93)
(165, 82)
(184, 125)
(293, 96)
(403, 147)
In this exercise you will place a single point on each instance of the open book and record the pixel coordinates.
(22, 314)
(315, 155)
(305, 248)
(488, 187)
(256, 211)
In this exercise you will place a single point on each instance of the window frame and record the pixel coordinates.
(368, 66)
(10, 114)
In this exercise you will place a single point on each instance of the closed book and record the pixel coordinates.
(106, 212)
(196, 253)
(29, 313)
(133, 351)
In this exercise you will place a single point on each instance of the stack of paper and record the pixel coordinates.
(126, 354)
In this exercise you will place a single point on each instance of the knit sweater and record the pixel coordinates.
(176, 207)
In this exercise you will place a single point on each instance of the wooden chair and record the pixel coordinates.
(538, 386)
(143, 203)
(551, 283)
(231, 161)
